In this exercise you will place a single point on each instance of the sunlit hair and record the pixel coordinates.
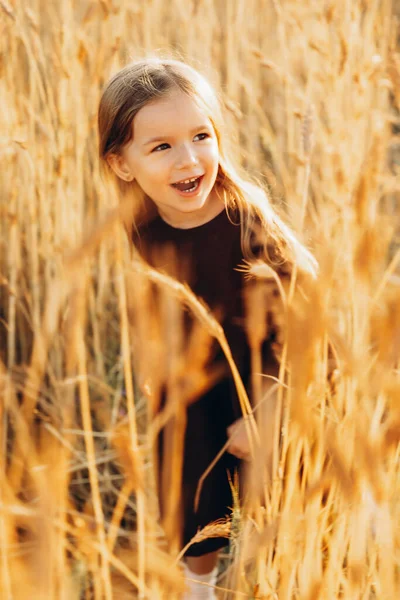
(148, 80)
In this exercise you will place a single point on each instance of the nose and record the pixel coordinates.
(187, 157)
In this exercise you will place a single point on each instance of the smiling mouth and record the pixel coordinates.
(188, 185)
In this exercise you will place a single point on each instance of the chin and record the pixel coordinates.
(191, 209)
(189, 204)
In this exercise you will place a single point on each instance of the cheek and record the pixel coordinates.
(209, 155)
(152, 172)
(214, 153)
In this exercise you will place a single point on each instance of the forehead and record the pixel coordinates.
(163, 116)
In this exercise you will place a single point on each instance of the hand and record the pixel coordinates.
(238, 441)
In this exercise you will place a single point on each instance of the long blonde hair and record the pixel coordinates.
(147, 80)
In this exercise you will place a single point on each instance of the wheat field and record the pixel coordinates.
(312, 96)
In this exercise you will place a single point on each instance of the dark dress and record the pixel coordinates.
(210, 255)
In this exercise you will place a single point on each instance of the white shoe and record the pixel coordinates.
(196, 588)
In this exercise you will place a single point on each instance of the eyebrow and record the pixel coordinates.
(166, 137)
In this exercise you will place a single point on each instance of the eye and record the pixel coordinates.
(202, 136)
(160, 147)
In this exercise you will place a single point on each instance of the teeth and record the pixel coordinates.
(188, 180)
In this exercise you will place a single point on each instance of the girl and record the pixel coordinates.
(162, 135)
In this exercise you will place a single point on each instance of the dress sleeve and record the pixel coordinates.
(266, 290)
(275, 314)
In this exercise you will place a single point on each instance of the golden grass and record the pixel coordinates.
(312, 93)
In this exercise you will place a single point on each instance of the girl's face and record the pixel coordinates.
(173, 142)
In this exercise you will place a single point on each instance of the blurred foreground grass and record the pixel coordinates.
(312, 92)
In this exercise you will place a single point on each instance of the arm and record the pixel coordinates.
(265, 415)
(265, 333)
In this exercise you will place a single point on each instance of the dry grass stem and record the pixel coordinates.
(93, 341)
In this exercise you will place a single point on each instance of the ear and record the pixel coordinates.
(119, 166)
